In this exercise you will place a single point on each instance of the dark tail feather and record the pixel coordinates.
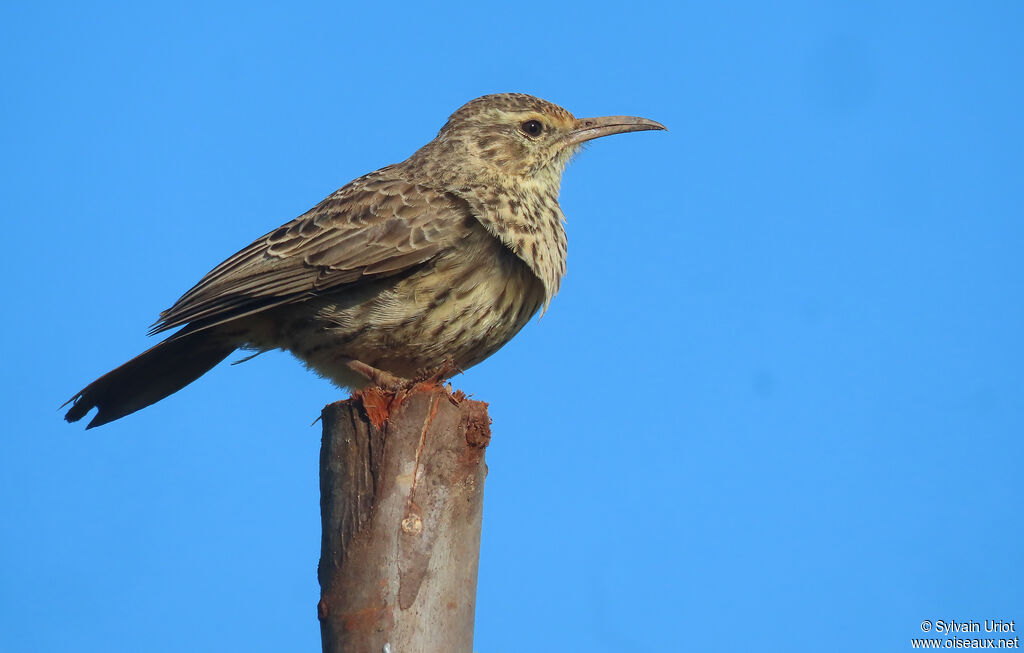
(149, 377)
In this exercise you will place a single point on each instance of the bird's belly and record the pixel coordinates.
(457, 310)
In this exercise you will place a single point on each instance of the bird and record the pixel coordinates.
(425, 266)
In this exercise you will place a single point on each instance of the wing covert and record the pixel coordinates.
(374, 227)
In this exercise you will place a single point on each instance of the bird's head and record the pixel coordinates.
(520, 139)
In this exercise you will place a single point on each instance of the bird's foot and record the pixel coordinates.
(387, 381)
(446, 370)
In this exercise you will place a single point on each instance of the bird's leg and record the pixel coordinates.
(378, 377)
(375, 376)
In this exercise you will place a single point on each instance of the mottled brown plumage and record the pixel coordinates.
(430, 264)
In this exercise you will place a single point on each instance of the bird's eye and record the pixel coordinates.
(532, 128)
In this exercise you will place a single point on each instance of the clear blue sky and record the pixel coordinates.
(777, 405)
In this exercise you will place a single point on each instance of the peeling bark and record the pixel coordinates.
(401, 500)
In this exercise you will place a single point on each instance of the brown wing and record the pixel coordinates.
(375, 226)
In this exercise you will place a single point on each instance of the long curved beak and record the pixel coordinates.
(590, 128)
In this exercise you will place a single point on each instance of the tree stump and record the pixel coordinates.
(401, 501)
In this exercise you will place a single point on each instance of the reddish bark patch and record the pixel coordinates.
(377, 404)
(478, 426)
(369, 618)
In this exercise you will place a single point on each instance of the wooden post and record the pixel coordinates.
(401, 500)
